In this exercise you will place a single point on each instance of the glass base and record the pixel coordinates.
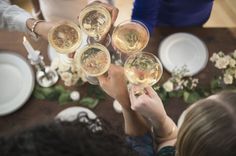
(92, 80)
(47, 78)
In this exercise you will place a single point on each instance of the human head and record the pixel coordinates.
(209, 127)
(76, 138)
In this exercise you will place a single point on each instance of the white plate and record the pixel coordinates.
(16, 82)
(71, 113)
(182, 49)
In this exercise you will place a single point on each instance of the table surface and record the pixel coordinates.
(37, 111)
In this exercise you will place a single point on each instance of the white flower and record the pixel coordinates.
(194, 83)
(168, 86)
(55, 64)
(185, 83)
(66, 76)
(68, 83)
(234, 54)
(230, 71)
(234, 73)
(221, 54)
(222, 63)
(74, 69)
(64, 66)
(214, 57)
(74, 80)
(228, 79)
(232, 62)
(75, 96)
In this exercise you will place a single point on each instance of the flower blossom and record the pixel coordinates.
(168, 86)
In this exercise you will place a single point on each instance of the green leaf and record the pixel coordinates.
(215, 84)
(176, 93)
(191, 97)
(50, 93)
(89, 102)
(96, 91)
(38, 95)
(162, 93)
(64, 98)
(186, 95)
(59, 88)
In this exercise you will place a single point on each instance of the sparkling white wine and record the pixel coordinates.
(65, 37)
(143, 69)
(130, 37)
(94, 59)
(95, 20)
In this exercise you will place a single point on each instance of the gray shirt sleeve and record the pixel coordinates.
(12, 17)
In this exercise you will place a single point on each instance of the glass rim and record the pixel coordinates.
(79, 53)
(150, 54)
(75, 46)
(131, 21)
(85, 10)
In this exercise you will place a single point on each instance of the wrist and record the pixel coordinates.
(32, 25)
(156, 117)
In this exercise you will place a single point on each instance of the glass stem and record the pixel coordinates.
(41, 67)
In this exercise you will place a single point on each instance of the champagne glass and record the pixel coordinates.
(129, 37)
(94, 60)
(65, 37)
(143, 69)
(95, 21)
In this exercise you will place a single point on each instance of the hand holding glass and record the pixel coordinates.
(143, 69)
(94, 60)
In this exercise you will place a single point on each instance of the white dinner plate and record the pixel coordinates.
(71, 113)
(16, 82)
(183, 49)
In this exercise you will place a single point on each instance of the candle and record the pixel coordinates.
(32, 54)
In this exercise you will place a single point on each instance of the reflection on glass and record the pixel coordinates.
(130, 37)
(65, 37)
(143, 69)
(94, 60)
(95, 20)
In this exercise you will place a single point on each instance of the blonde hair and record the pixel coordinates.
(209, 128)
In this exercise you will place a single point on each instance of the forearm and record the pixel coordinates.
(165, 131)
(135, 125)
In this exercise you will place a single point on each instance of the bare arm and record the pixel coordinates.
(151, 107)
(115, 85)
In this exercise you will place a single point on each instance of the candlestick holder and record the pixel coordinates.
(45, 76)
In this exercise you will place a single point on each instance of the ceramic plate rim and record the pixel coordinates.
(180, 34)
(22, 100)
(79, 109)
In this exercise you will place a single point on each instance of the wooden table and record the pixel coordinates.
(37, 111)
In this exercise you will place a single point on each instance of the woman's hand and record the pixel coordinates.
(113, 10)
(114, 84)
(148, 104)
(42, 28)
